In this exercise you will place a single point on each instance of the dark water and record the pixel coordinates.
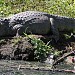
(11, 68)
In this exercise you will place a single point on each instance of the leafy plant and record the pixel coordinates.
(41, 49)
(67, 36)
(57, 53)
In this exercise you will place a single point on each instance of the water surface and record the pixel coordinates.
(12, 68)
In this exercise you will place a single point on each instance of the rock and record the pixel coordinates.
(49, 59)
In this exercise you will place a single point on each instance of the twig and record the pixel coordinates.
(64, 56)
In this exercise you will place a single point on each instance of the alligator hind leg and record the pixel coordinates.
(54, 29)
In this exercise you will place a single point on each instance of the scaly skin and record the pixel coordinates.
(36, 22)
(5, 30)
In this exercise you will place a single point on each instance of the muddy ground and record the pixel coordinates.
(21, 49)
(15, 49)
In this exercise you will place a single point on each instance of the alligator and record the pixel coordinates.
(35, 22)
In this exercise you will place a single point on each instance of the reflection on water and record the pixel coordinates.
(7, 69)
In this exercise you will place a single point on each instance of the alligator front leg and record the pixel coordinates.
(54, 29)
(16, 28)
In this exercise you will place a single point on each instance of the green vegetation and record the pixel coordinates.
(41, 50)
(16, 40)
(67, 36)
(2, 41)
(61, 7)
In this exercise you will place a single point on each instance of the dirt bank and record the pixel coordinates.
(21, 48)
